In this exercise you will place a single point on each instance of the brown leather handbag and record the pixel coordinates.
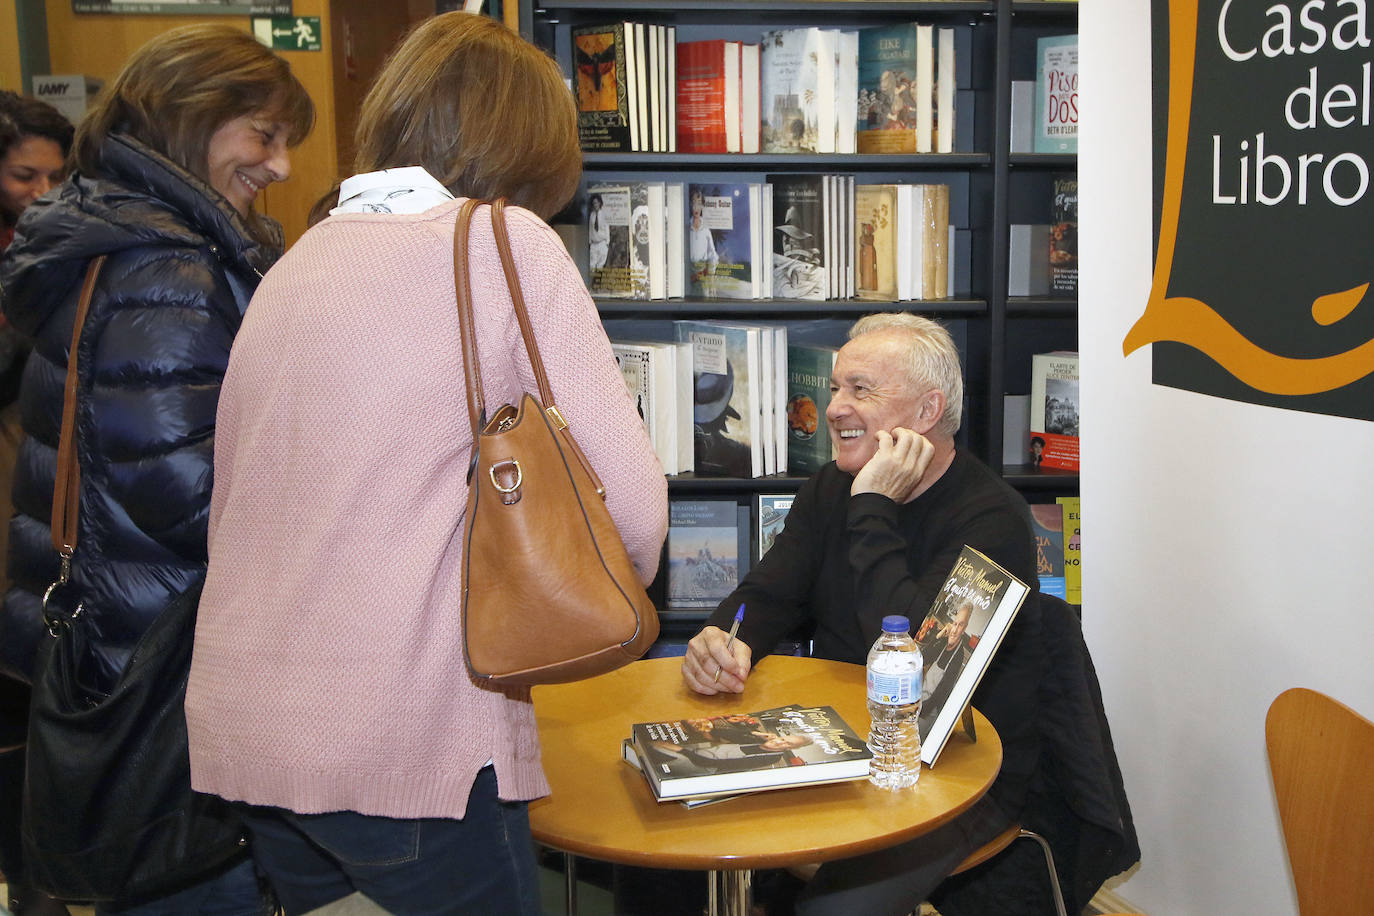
(549, 593)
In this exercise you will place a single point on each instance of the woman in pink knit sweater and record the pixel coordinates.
(329, 692)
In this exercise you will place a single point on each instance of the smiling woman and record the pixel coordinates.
(168, 165)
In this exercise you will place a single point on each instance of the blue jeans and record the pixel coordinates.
(236, 892)
(483, 863)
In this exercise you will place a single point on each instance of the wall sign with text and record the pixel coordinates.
(1265, 242)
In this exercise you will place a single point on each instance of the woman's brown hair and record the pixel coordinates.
(179, 88)
(479, 108)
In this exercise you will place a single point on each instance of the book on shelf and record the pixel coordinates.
(772, 509)
(890, 62)
(1054, 410)
(958, 638)
(1015, 429)
(800, 72)
(1028, 259)
(701, 93)
(943, 112)
(724, 228)
(1023, 116)
(614, 264)
(780, 748)
(1063, 253)
(708, 551)
(846, 91)
(799, 237)
(1056, 94)
(876, 259)
(1073, 550)
(808, 395)
(750, 100)
(727, 397)
(662, 396)
(603, 92)
(1047, 525)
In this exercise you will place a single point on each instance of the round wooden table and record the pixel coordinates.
(602, 808)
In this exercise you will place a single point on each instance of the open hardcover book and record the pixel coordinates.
(970, 615)
(748, 752)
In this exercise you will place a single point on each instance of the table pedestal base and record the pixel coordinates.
(728, 893)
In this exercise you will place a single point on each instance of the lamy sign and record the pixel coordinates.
(1265, 242)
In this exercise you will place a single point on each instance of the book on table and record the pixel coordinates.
(968, 619)
(1054, 410)
(777, 748)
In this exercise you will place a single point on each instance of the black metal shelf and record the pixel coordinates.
(796, 162)
(779, 308)
(1041, 307)
(690, 483)
(1029, 477)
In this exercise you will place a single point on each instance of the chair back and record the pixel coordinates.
(1320, 752)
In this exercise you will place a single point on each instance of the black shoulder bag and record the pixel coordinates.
(109, 814)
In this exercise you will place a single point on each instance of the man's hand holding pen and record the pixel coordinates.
(716, 664)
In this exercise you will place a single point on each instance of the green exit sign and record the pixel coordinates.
(288, 33)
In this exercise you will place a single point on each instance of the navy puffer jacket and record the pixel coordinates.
(181, 268)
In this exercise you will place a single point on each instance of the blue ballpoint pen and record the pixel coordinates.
(734, 628)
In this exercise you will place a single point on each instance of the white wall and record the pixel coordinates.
(1227, 553)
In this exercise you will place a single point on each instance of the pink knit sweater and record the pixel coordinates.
(328, 670)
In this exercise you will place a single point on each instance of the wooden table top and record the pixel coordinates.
(602, 807)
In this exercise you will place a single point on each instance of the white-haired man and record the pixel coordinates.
(876, 533)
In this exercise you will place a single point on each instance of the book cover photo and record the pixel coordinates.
(603, 113)
(889, 62)
(772, 515)
(958, 637)
(615, 264)
(719, 255)
(1054, 410)
(745, 752)
(708, 554)
(808, 396)
(799, 267)
(1063, 254)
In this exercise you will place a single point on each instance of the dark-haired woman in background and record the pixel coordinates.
(34, 142)
(168, 164)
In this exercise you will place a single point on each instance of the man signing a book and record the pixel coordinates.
(875, 533)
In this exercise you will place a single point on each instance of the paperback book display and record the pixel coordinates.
(772, 515)
(1047, 523)
(1073, 550)
(1056, 94)
(966, 623)
(1054, 410)
(1063, 252)
(659, 379)
(708, 551)
(808, 396)
(748, 752)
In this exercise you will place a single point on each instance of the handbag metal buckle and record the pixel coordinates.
(510, 493)
(55, 623)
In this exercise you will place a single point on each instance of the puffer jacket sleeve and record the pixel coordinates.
(152, 357)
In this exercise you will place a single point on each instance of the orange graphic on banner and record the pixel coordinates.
(1195, 323)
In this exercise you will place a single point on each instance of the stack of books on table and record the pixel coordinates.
(709, 757)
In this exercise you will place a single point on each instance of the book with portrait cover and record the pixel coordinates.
(748, 752)
(1047, 524)
(616, 265)
(708, 551)
(1054, 410)
(958, 637)
(721, 232)
(603, 103)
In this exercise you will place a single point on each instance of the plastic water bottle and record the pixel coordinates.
(894, 703)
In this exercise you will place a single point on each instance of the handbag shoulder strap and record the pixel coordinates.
(66, 494)
(462, 278)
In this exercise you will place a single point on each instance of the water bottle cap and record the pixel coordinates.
(896, 623)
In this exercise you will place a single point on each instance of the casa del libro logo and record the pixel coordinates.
(1261, 287)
